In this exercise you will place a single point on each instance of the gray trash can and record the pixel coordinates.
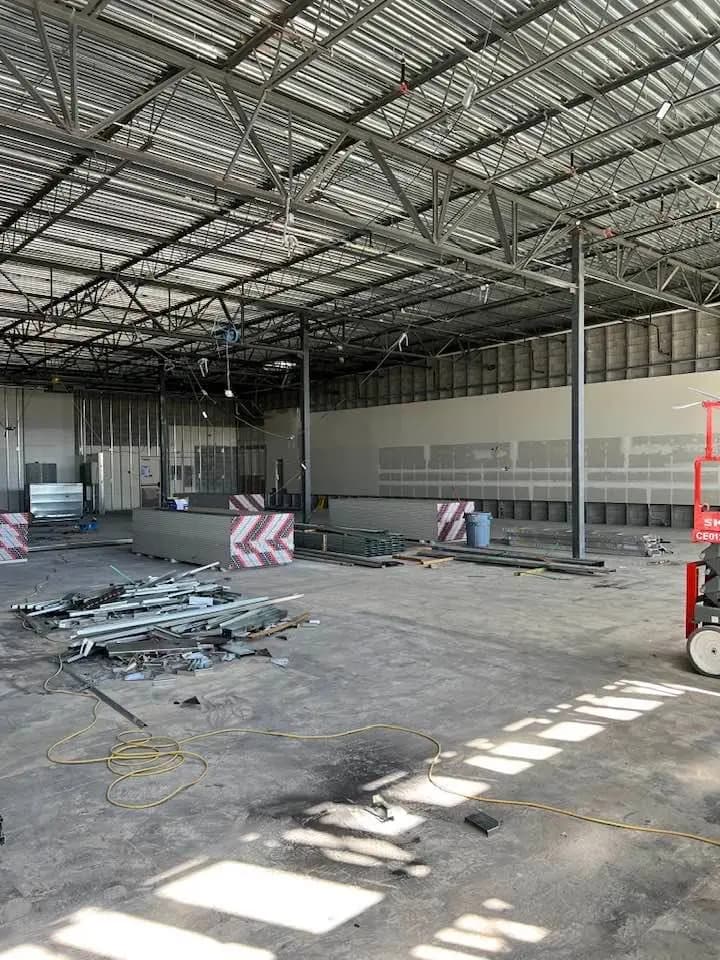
(477, 527)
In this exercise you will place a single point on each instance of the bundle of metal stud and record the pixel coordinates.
(362, 543)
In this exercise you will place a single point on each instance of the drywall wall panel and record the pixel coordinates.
(514, 445)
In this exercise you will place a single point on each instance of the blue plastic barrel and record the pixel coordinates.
(477, 527)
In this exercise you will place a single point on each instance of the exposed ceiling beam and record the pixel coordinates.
(277, 23)
(551, 113)
(315, 211)
(323, 118)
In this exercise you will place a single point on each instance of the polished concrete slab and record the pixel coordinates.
(569, 691)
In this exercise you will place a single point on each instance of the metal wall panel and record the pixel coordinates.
(656, 346)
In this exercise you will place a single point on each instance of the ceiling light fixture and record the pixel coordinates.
(228, 389)
(663, 109)
(469, 94)
(279, 365)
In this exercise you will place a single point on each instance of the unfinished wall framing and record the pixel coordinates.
(216, 454)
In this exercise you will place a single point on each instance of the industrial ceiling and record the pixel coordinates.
(186, 186)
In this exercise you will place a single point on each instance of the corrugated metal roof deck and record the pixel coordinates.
(372, 167)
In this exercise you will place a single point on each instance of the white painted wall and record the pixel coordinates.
(510, 445)
(49, 432)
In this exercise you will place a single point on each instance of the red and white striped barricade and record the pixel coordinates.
(247, 502)
(451, 519)
(262, 539)
(13, 537)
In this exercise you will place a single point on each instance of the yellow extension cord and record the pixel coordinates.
(148, 756)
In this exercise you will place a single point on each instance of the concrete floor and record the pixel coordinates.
(546, 689)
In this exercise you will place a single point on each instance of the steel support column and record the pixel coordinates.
(577, 399)
(163, 438)
(305, 454)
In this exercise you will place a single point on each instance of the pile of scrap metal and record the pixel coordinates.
(166, 624)
(367, 548)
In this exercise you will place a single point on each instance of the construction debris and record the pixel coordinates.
(421, 561)
(117, 707)
(160, 626)
(483, 821)
(279, 627)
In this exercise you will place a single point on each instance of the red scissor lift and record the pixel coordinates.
(702, 577)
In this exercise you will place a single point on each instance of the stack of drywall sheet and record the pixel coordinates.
(233, 539)
(198, 501)
(415, 519)
(189, 536)
(243, 502)
(13, 537)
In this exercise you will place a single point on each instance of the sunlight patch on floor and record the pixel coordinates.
(684, 688)
(28, 951)
(606, 713)
(273, 896)
(512, 929)
(522, 724)
(646, 688)
(526, 751)
(474, 941)
(120, 936)
(494, 903)
(349, 816)
(622, 703)
(381, 782)
(379, 850)
(498, 764)
(480, 744)
(572, 731)
(420, 790)
(487, 936)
